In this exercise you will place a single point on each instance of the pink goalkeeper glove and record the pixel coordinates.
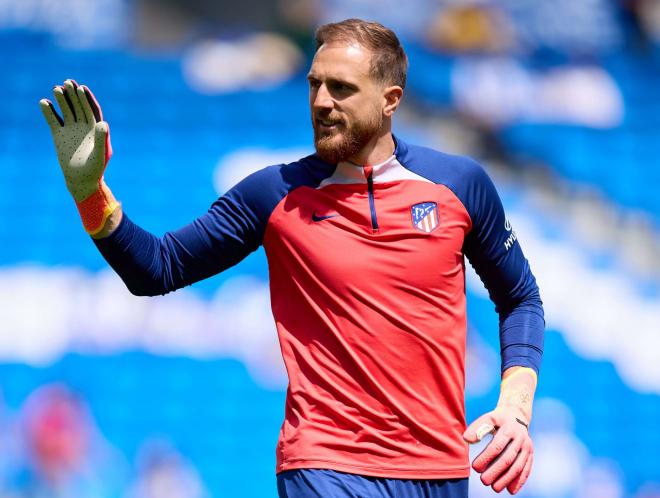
(507, 459)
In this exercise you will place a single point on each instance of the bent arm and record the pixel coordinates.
(151, 266)
(231, 229)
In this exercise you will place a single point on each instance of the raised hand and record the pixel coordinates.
(82, 142)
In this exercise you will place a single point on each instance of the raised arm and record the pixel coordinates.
(149, 265)
(230, 230)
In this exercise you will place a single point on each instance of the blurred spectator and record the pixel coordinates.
(64, 455)
(648, 12)
(163, 24)
(164, 473)
(299, 19)
(470, 28)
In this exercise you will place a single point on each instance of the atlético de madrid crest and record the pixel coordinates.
(425, 216)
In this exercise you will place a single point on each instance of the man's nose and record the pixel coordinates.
(322, 98)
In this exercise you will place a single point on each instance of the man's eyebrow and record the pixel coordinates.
(344, 82)
(314, 77)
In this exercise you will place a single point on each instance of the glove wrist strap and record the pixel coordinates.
(95, 209)
(517, 393)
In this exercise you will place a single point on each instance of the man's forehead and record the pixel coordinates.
(341, 58)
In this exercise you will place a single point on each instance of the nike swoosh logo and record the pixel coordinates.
(316, 217)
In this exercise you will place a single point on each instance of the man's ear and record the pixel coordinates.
(392, 96)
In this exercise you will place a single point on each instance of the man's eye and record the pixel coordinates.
(314, 84)
(340, 87)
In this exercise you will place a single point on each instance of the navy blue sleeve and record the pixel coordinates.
(493, 250)
(231, 229)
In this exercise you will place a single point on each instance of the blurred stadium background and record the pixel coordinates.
(103, 394)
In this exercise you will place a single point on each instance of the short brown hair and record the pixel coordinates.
(389, 63)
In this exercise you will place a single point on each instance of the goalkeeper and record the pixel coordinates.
(365, 241)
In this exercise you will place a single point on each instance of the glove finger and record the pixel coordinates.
(512, 470)
(93, 103)
(102, 140)
(52, 118)
(479, 428)
(84, 103)
(65, 107)
(71, 94)
(518, 482)
(502, 463)
(495, 448)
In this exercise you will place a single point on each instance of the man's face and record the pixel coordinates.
(346, 103)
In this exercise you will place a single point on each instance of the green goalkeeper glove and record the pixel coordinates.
(82, 142)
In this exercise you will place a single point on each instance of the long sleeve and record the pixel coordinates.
(495, 253)
(232, 228)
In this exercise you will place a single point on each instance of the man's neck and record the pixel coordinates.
(379, 149)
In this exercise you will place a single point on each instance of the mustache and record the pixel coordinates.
(328, 117)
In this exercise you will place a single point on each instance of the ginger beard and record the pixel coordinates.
(344, 141)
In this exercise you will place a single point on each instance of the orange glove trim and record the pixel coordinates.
(97, 208)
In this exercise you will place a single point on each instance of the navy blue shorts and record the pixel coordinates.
(320, 483)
